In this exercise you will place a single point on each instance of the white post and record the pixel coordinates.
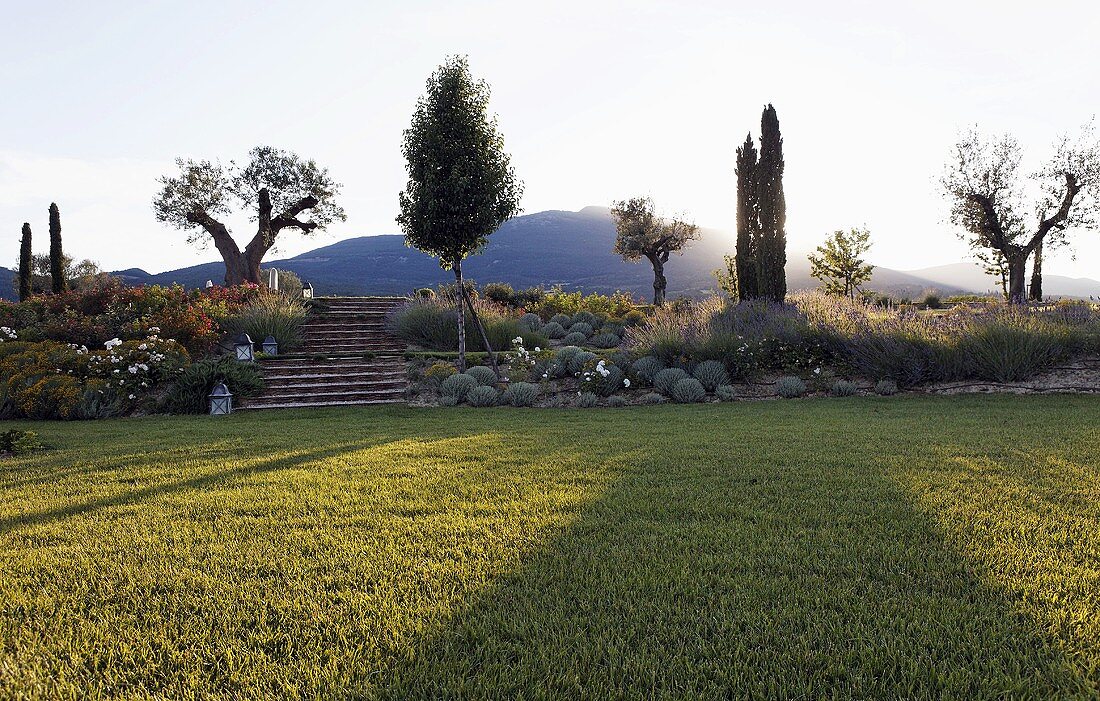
(273, 279)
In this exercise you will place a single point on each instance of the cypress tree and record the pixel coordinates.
(772, 251)
(57, 260)
(25, 263)
(748, 221)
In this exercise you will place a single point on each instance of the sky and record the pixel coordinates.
(597, 101)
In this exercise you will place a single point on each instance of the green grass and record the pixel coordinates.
(873, 548)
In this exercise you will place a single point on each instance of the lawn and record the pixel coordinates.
(874, 547)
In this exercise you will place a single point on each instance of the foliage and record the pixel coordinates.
(711, 374)
(605, 340)
(744, 272)
(424, 293)
(483, 396)
(25, 261)
(839, 262)
(790, 387)
(602, 378)
(644, 369)
(664, 380)
(433, 324)
(580, 360)
(484, 376)
(574, 339)
(641, 233)
(581, 328)
(587, 400)
(725, 393)
(269, 313)
(688, 391)
(521, 394)
(552, 330)
(561, 320)
(499, 292)
(653, 398)
(616, 401)
(932, 301)
(771, 207)
(19, 442)
(458, 386)
(57, 261)
(530, 321)
(190, 393)
(438, 372)
(843, 388)
(561, 307)
(886, 387)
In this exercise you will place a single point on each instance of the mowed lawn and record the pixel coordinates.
(907, 547)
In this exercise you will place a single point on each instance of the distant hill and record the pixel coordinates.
(7, 284)
(969, 276)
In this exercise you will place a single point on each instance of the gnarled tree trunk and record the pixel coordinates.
(660, 283)
(1036, 291)
(1017, 269)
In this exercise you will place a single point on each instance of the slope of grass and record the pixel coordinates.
(905, 547)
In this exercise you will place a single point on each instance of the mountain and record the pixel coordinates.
(970, 276)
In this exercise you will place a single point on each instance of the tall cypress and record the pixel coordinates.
(57, 260)
(25, 263)
(748, 221)
(772, 253)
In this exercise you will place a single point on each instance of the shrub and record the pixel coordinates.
(886, 387)
(844, 388)
(587, 318)
(19, 442)
(521, 394)
(790, 387)
(711, 374)
(483, 396)
(932, 301)
(499, 292)
(448, 400)
(616, 401)
(272, 314)
(688, 391)
(433, 324)
(531, 322)
(424, 293)
(552, 330)
(664, 380)
(438, 372)
(1005, 353)
(581, 328)
(191, 391)
(605, 340)
(574, 339)
(484, 375)
(602, 378)
(579, 360)
(563, 358)
(646, 368)
(633, 318)
(653, 398)
(726, 393)
(457, 386)
(587, 400)
(562, 320)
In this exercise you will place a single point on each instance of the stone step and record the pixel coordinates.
(351, 348)
(302, 385)
(317, 405)
(328, 395)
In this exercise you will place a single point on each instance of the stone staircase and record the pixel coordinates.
(347, 358)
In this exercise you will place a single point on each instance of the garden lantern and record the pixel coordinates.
(221, 400)
(243, 346)
(271, 347)
(209, 284)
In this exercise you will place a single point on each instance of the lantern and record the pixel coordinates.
(243, 347)
(271, 347)
(221, 400)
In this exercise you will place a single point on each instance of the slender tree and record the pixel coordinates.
(461, 185)
(994, 264)
(839, 262)
(57, 258)
(772, 206)
(748, 221)
(726, 277)
(277, 185)
(643, 234)
(25, 263)
(1035, 290)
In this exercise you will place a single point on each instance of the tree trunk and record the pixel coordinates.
(461, 364)
(1036, 292)
(1017, 269)
(659, 281)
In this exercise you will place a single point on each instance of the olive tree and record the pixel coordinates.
(839, 262)
(989, 198)
(641, 233)
(279, 189)
(461, 185)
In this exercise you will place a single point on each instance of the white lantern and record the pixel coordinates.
(271, 347)
(221, 400)
(243, 347)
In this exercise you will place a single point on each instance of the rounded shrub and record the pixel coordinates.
(585, 317)
(189, 394)
(484, 376)
(712, 374)
(446, 400)
(438, 372)
(725, 393)
(843, 388)
(563, 357)
(457, 386)
(646, 368)
(530, 321)
(653, 398)
(665, 379)
(574, 339)
(520, 394)
(579, 360)
(605, 340)
(562, 320)
(483, 396)
(581, 328)
(688, 391)
(587, 400)
(552, 330)
(616, 401)
(886, 387)
(609, 384)
(424, 293)
(790, 387)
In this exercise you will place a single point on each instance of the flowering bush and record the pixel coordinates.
(602, 378)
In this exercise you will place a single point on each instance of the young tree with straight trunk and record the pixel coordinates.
(57, 257)
(641, 233)
(772, 205)
(748, 221)
(278, 187)
(982, 182)
(839, 262)
(461, 185)
(25, 263)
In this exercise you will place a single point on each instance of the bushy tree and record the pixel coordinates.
(727, 276)
(771, 204)
(983, 184)
(25, 263)
(461, 185)
(78, 275)
(277, 186)
(57, 258)
(641, 233)
(839, 262)
(748, 221)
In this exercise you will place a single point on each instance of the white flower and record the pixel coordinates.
(112, 343)
(817, 371)
(143, 346)
(626, 382)
(131, 396)
(537, 349)
(154, 329)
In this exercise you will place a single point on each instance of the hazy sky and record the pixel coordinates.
(597, 101)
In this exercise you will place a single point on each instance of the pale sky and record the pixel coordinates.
(597, 101)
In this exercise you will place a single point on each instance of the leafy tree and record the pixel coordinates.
(982, 182)
(461, 185)
(278, 186)
(839, 262)
(82, 275)
(993, 263)
(727, 277)
(748, 222)
(57, 258)
(25, 263)
(643, 234)
(771, 254)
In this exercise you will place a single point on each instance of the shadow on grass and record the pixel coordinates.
(776, 579)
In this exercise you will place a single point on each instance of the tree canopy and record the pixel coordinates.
(641, 233)
(839, 262)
